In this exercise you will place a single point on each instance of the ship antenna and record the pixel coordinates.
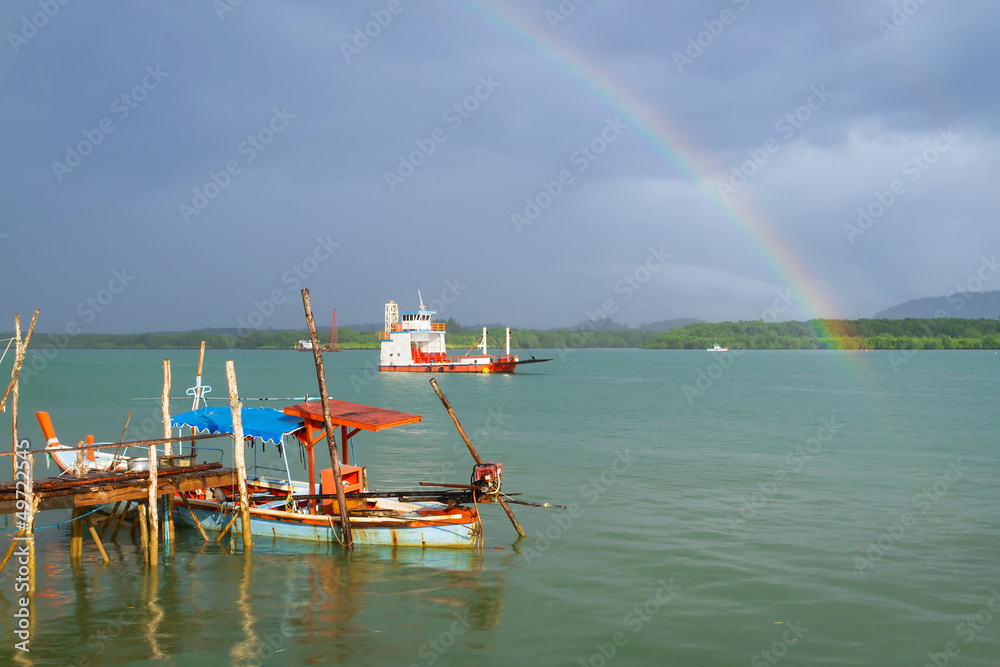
(421, 300)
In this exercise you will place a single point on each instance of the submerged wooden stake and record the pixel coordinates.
(226, 529)
(238, 450)
(75, 535)
(345, 522)
(97, 540)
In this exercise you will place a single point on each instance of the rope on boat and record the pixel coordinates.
(9, 341)
(61, 523)
(334, 531)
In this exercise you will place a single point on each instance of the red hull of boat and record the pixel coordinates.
(498, 367)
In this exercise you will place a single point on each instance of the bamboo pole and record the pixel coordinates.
(475, 454)
(18, 362)
(16, 390)
(97, 540)
(345, 523)
(104, 445)
(238, 455)
(198, 392)
(168, 530)
(194, 517)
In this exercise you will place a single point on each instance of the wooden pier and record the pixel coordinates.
(102, 488)
(86, 488)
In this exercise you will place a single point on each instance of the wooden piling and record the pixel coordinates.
(75, 535)
(152, 543)
(143, 530)
(238, 455)
(168, 530)
(29, 528)
(345, 523)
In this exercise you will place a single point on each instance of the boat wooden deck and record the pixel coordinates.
(99, 488)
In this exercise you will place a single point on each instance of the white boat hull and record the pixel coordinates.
(322, 528)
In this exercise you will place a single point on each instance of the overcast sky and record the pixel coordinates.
(169, 166)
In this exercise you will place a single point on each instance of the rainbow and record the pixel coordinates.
(669, 141)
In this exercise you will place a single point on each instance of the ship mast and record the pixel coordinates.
(391, 316)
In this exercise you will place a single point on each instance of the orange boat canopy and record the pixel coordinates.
(352, 415)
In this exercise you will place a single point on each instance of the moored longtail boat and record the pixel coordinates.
(284, 508)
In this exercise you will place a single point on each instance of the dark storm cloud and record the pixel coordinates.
(235, 152)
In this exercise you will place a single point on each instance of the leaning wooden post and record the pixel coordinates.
(238, 446)
(194, 517)
(345, 522)
(168, 530)
(97, 540)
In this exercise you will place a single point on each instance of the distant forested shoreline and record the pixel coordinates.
(881, 334)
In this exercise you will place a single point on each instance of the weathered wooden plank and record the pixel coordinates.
(99, 494)
(55, 483)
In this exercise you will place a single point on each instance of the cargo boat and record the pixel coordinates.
(412, 342)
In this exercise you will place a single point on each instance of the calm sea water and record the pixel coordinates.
(767, 508)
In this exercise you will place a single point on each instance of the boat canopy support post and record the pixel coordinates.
(238, 450)
(345, 523)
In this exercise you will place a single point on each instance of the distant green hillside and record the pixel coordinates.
(879, 334)
(883, 334)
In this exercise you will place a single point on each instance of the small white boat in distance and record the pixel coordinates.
(717, 348)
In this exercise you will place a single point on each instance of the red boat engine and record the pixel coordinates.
(486, 478)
